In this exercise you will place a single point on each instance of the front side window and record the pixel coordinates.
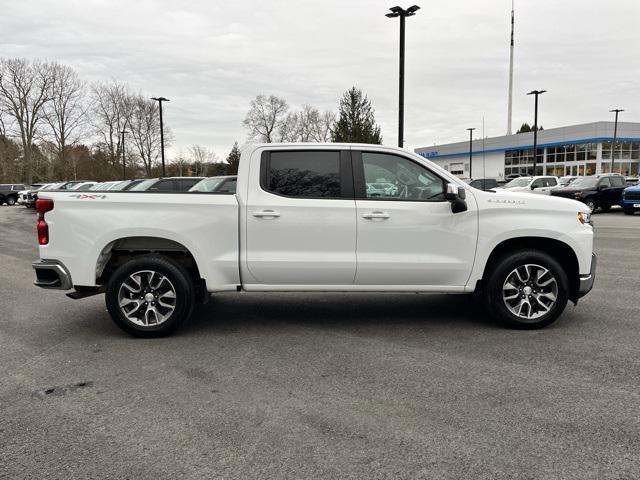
(390, 177)
(303, 174)
(163, 186)
(605, 182)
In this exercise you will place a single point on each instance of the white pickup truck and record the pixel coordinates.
(306, 218)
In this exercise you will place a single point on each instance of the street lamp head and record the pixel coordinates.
(471, 129)
(616, 110)
(399, 11)
(160, 99)
(536, 92)
(412, 10)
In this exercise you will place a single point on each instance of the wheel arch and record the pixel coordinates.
(559, 250)
(123, 249)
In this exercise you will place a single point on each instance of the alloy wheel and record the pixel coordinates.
(530, 291)
(147, 298)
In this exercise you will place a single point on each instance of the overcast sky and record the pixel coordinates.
(210, 58)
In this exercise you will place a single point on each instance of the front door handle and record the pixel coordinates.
(266, 213)
(376, 214)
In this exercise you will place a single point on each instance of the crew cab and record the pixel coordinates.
(302, 219)
(595, 191)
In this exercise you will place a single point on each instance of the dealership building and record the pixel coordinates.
(574, 150)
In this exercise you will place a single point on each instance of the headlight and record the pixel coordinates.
(584, 218)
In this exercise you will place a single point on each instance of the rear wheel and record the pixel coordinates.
(527, 289)
(629, 211)
(150, 296)
(605, 208)
(11, 200)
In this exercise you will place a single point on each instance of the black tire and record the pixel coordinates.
(605, 208)
(11, 201)
(501, 271)
(179, 280)
(591, 204)
(629, 211)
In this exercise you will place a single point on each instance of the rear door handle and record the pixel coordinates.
(266, 213)
(376, 214)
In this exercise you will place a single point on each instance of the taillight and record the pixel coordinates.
(43, 205)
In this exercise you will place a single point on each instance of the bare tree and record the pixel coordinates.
(180, 162)
(289, 128)
(145, 131)
(112, 110)
(25, 88)
(65, 113)
(264, 115)
(320, 128)
(201, 156)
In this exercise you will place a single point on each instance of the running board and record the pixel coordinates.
(84, 292)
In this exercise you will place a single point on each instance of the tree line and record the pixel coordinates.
(55, 126)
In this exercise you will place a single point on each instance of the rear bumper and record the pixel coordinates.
(586, 281)
(52, 274)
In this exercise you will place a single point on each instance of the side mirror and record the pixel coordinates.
(455, 195)
(533, 187)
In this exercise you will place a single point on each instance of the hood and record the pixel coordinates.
(633, 188)
(528, 201)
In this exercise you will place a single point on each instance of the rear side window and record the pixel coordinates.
(618, 182)
(605, 182)
(550, 182)
(537, 183)
(302, 174)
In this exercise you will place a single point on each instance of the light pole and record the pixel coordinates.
(615, 134)
(402, 13)
(124, 169)
(535, 129)
(160, 100)
(471, 152)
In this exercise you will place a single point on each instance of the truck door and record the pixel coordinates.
(300, 219)
(408, 235)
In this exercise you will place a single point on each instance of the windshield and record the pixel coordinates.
(120, 185)
(52, 186)
(205, 185)
(518, 182)
(584, 182)
(143, 185)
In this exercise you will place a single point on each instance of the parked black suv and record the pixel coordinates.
(596, 191)
(9, 193)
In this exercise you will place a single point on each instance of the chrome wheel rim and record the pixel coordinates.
(530, 291)
(147, 298)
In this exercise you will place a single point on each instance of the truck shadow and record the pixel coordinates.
(232, 312)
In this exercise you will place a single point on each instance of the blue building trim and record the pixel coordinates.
(435, 156)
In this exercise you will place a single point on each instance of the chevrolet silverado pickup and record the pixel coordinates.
(305, 217)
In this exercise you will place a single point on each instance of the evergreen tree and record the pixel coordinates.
(356, 122)
(233, 160)
(527, 128)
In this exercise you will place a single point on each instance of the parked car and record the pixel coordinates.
(595, 191)
(511, 176)
(566, 180)
(221, 184)
(484, 183)
(32, 196)
(631, 181)
(540, 184)
(22, 194)
(82, 186)
(631, 200)
(9, 193)
(166, 184)
(301, 220)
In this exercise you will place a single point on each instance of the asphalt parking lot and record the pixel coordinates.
(280, 386)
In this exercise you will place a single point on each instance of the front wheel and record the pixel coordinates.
(11, 201)
(150, 296)
(527, 289)
(591, 204)
(629, 211)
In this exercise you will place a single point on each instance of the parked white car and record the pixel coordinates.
(301, 220)
(540, 184)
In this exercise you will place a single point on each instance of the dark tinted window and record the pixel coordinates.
(163, 186)
(228, 187)
(537, 183)
(185, 184)
(304, 174)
